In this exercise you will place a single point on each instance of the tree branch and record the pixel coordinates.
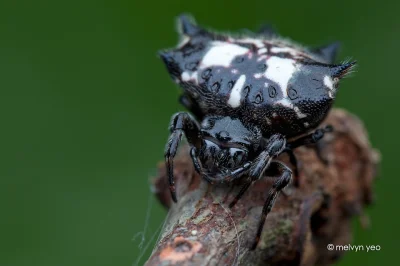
(201, 230)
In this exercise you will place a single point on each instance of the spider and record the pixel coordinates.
(253, 97)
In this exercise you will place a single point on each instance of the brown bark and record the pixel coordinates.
(201, 230)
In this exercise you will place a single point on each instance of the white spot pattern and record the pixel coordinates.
(287, 103)
(222, 54)
(258, 43)
(280, 70)
(290, 50)
(234, 98)
(189, 76)
(262, 57)
(298, 112)
(262, 50)
(329, 83)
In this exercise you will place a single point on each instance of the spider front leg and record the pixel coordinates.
(228, 176)
(312, 138)
(181, 123)
(282, 181)
(275, 146)
(221, 177)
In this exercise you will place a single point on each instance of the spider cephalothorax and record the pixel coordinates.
(254, 96)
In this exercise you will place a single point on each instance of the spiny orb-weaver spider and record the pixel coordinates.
(252, 98)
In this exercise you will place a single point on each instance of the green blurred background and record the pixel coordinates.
(85, 104)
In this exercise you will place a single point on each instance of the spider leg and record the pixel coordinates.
(286, 174)
(282, 181)
(240, 194)
(274, 147)
(230, 176)
(181, 123)
(196, 161)
(293, 160)
(312, 138)
(319, 150)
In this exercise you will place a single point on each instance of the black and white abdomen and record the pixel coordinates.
(270, 83)
(278, 93)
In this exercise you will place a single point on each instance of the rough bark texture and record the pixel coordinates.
(201, 230)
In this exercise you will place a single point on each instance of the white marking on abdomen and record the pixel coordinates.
(329, 83)
(262, 50)
(222, 54)
(258, 43)
(262, 57)
(299, 113)
(287, 103)
(280, 70)
(234, 98)
(189, 76)
(283, 50)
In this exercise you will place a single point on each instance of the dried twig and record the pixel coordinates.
(201, 231)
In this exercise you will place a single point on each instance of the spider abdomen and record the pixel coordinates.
(268, 82)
